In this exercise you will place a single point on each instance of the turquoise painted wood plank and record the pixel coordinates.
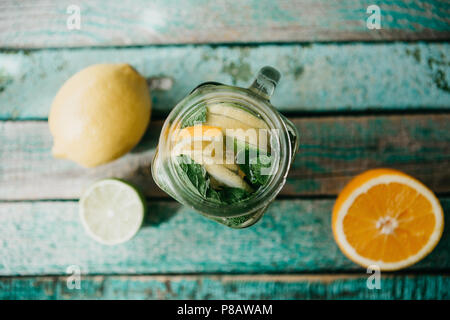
(44, 24)
(318, 77)
(228, 287)
(333, 150)
(44, 238)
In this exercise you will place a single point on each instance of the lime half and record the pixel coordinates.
(111, 211)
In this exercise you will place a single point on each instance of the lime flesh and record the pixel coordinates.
(111, 211)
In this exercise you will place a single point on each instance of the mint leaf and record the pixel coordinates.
(231, 195)
(253, 163)
(213, 195)
(200, 179)
(199, 116)
(195, 173)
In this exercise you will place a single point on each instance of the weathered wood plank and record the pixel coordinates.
(294, 236)
(228, 287)
(318, 77)
(34, 24)
(333, 150)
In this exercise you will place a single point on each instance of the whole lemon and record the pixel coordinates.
(99, 114)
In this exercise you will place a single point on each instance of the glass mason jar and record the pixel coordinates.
(280, 132)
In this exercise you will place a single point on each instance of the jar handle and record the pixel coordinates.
(265, 83)
(294, 136)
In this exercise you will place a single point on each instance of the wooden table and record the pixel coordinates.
(359, 98)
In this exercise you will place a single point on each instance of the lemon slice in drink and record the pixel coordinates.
(111, 211)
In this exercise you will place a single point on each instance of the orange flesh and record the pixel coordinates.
(390, 222)
(199, 132)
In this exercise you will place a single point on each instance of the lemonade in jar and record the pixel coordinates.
(226, 151)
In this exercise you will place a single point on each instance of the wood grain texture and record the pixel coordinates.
(318, 77)
(25, 24)
(228, 287)
(333, 150)
(44, 238)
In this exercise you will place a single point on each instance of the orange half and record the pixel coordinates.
(387, 218)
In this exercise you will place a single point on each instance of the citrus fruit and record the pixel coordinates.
(99, 114)
(198, 141)
(225, 123)
(111, 211)
(200, 132)
(227, 177)
(238, 114)
(386, 218)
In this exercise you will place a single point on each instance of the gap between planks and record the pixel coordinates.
(286, 278)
